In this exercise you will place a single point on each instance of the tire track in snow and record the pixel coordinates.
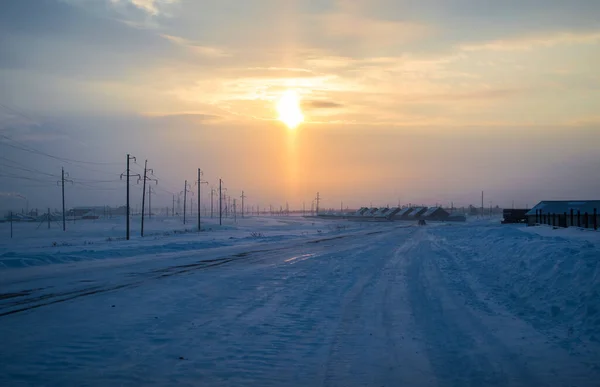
(374, 344)
(537, 355)
(462, 350)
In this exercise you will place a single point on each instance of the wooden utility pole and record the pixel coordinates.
(482, 204)
(318, 200)
(63, 201)
(150, 202)
(184, 200)
(199, 182)
(212, 191)
(144, 196)
(146, 170)
(129, 175)
(220, 202)
(243, 197)
(64, 215)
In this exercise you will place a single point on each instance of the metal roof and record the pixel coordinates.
(404, 211)
(417, 211)
(431, 210)
(562, 206)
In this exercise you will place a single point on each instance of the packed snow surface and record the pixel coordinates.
(303, 302)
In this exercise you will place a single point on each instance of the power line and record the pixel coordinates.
(29, 149)
(19, 113)
(28, 170)
(13, 176)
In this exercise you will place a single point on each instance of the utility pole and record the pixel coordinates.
(144, 196)
(234, 212)
(243, 197)
(318, 200)
(212, 191)
(199, 183)
(64, 215)
(220, 202)
(185, 191)
(150, 201)
(146, 178)
(173, 209)
(228, 204)
(129, 175)
(482, 204)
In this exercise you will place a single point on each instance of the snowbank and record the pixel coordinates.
(550, 278)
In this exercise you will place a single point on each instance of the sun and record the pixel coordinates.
(288, 108)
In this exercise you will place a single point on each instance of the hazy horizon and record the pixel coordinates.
(402, 103)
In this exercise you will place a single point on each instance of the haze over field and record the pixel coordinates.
(385, 100)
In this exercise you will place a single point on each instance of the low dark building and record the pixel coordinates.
(402, 214)
(435, 213)
(417, 212)
(514, 215)
(566, 213)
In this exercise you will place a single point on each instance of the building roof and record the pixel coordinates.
(431, 210)
(404, 211)
(381, 211)
(370, 211)
(393, 211)
(417, 211)
(562, 206)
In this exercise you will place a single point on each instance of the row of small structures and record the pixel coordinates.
(396, 213)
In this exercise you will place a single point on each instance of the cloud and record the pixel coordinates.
(206, 51)
(373, 31)
(320, 104)
(185, 118)
(529, 42)
(152, 7)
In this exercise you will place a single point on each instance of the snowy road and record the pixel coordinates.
(389, 306)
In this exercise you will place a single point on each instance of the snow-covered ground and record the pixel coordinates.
(293, 301)
(35, 244)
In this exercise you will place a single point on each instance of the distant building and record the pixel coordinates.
(435, 213)
(370, 212)
(361, 211)
(402, 214)
(381, 212)
(566, 213)
(514, 215)
(392, 212)
(416, 212)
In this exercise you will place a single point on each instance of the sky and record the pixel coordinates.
(404, 102)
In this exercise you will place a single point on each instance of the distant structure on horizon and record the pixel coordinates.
(566, 213)
(396, 213)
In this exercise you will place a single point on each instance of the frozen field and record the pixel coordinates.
(293, 301)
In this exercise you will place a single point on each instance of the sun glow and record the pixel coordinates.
(288, 108)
